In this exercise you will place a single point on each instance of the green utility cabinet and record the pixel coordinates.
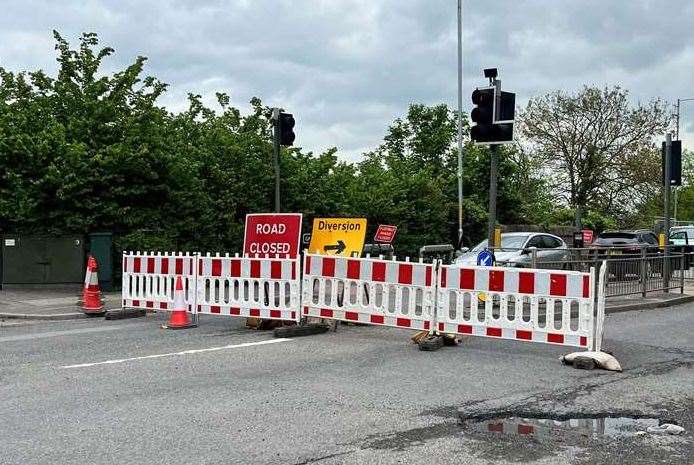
(42, 261)
(101, 247)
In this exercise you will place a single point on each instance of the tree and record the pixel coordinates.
(597, 149)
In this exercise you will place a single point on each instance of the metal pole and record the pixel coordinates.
(492, 194)
(276, 157)
(677, 137)
(460, 123)
(666, 210)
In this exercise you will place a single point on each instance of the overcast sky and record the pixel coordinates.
(347, 68)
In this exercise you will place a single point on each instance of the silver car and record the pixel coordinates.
(517, 250)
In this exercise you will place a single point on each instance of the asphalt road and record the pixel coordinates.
(95, 391)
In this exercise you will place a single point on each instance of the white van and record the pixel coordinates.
(682, 235)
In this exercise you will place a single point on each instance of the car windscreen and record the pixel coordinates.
(507, 243)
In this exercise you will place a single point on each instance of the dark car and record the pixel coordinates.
(627, 245)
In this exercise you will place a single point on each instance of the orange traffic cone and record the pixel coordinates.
(91, 295)
(179, 318)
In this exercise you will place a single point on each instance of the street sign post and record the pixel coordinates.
(338, 236)
(272, 234)
(385, 233)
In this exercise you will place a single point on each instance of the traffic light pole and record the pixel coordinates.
(276, 155)
(666, 210)
(460, 124)
(493, 173)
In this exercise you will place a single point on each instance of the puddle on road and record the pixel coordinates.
(541, 428)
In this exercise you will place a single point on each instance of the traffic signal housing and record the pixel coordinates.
(287, 123)
(493, 122)
(675, 177)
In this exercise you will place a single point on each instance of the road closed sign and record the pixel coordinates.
(272, 234)
(338, 236)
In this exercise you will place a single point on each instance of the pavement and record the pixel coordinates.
(127, 391)
(48, 304)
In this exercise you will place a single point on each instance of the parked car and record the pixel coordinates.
(682, 235)
(629, 246)
(517, 249)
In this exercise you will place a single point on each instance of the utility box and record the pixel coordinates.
(29, 261)
(101, 248)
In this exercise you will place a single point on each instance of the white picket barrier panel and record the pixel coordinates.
(548, 306)
(368, 290)
(149, 279)
(263, 287)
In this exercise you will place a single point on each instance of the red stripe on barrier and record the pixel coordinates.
(216, 267)
(307, 265)
(526, 282)
(494, 332)
(586, 286)
(427, 325)
(234, 311)
(555, 338)
(377, 319)
(163, 305)
(328, 267)
(200, 267)
(149, 304)
(354, 316)
(525, 429)
(583, 341)
(524, 335)
(255, 268)
(215, 309)
(353, 269)
(276, 270)
(254, 312)
(496, 280)
(305, 310)
(405, 274)
(179, 265)
(325, 312)
(164, 266)
(275, 314)
(235, 268)
(150, 265)
(557, 284)
(136, 264)
(444, 272)
(293, 315)
(495, 427)
(465, 329)
(403, 322)
(136, 303)
(467, 279)
(293, 270)
(427, 276)
(378, 271)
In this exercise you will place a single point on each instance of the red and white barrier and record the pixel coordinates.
(548, 306)
(263, 287)
(371, 291)
(149, 279)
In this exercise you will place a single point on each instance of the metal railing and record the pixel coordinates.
(629, 271)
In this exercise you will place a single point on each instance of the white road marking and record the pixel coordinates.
(69, 332)
(185, 352)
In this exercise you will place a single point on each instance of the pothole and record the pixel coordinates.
(547, 427)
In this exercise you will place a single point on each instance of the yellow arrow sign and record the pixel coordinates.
(338, 236)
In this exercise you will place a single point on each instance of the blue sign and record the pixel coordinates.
(485, 258)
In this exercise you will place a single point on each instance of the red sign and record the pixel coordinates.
(385, 233)
(587, 236)
(272, 234)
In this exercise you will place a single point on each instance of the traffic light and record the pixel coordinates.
(483, 114)
(675, 162)
(287, 135)
(492, 126)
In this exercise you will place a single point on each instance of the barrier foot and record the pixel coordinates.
(431, 343)
(301, 330)
(122, 313)
(588, 360)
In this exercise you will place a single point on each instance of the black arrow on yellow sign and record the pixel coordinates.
(338, 248)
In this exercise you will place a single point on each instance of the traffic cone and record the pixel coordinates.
(179, 319)
(91, 295)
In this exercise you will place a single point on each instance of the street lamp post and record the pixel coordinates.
(460, 124)
(677, 137)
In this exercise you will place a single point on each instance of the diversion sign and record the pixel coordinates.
(338, 236)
